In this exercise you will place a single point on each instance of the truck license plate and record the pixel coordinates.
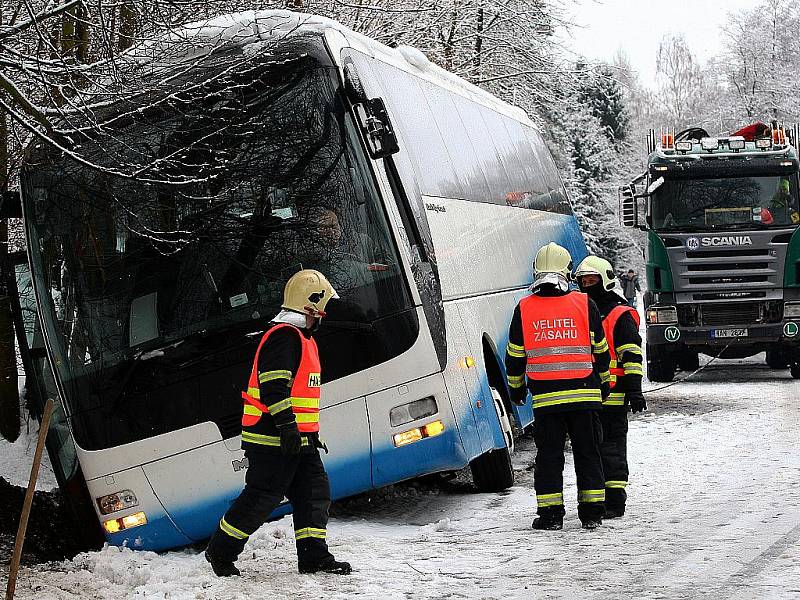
(729, 333)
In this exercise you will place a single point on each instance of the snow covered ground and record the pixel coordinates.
(714, 512)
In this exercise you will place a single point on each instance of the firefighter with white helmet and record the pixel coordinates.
(557, 351)
(280, 436)
(596, 278)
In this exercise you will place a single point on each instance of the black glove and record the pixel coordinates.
(636, 401)
(605, 390)
(519, 396)
(291, 442)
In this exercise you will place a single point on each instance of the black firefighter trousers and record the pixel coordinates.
(271, 476)
(615, 456)
(550, 434)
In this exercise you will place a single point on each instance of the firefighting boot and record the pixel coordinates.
(591, 523)
(548, 522)
(328, 565)
(221, 568)
(614, 513)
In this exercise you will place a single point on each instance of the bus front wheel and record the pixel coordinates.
(492, 471)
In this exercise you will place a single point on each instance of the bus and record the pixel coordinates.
(267, 142)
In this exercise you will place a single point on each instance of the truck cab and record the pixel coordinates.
(723, 254)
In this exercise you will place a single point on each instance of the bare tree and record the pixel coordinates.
(680, 80)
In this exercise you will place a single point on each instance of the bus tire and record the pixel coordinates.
(660, 365)
(689, 361)
(492, 471)
(777, 359)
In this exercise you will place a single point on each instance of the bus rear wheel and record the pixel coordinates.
(492, 471)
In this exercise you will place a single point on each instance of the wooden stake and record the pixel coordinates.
(26, 506)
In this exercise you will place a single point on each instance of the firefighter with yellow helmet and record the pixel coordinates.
(557, 350)
(596, 278)
(280, 436)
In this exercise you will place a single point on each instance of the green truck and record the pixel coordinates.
(723, 251)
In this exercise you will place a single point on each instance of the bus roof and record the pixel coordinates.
(257, 27)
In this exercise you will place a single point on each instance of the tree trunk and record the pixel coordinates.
(9, 394)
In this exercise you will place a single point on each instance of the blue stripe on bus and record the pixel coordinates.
(158, 534)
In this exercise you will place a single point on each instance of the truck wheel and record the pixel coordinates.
(492, 471)
(795, 369)
(777, 359)
(660, 365)
(689, 362)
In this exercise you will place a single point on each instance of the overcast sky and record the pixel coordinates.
(637, 27)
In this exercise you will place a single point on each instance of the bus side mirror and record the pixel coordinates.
(376, 127)
(628, 209)
(10, 205)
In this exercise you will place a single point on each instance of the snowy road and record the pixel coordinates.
(713, 512)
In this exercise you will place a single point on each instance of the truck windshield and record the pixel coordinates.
(726, 203)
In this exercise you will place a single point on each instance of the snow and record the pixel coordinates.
(713, 512)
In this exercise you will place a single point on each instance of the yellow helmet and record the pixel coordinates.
(553, 258)
(308, 292)
(594, 265)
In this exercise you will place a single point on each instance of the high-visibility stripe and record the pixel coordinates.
(615, 399)
(516, 381)
(272, 375)
(632, 368)
(605, 376)
(515, 351)
(279, 406)
(310, 532)
(543, 500)
(307, 417)
(231, 530)
(619, 485)
(566, 397)
(557, 366)
(254, 392)
(304, 402)
(632, 348)
(557, 350)
(249, 409)
(267, 440)
(592, 495)
(599, 347)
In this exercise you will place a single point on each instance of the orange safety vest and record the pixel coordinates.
(609, 323)
(305, 392)
(557, 338)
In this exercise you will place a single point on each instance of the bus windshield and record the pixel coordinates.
(726, 203)
(240, 183)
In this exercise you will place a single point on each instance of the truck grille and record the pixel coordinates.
(730, 313)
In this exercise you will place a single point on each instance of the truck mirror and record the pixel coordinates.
(376, 127)
(353, 88)
(628, 210)
(10, 205)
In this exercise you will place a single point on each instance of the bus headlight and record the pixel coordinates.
(419, 409)
(791, 310)
(117, 501)
(127, 522)
(662, 314)
(418, 433)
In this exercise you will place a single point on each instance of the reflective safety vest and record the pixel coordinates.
(557, 338)
(609, 323)
(305, 387)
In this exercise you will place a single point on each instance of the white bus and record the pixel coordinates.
(280, 140)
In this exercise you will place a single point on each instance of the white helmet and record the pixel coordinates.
(553, 264)
(594, 265)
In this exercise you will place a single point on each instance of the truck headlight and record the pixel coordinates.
(662, 314)
(791, 310)
(117, 501)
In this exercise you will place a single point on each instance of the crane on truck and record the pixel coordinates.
(721, 216)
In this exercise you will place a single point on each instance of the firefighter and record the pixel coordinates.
(556, 342)
(595, 277)
(280, 436)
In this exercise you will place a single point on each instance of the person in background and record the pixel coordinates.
(630, 287)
